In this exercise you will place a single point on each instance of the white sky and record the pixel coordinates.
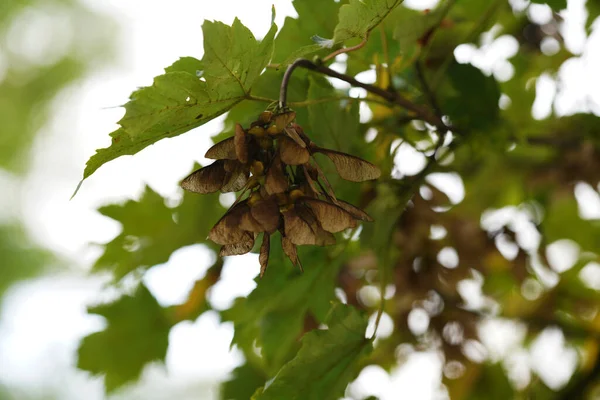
(42, 321)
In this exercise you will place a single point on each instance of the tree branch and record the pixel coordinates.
(423, 113)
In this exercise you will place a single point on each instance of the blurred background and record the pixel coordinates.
(65, 68)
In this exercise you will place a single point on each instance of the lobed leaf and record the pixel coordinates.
(152, 231)
(359, 17)
(137, 333)
(179, 101)
(327, 361)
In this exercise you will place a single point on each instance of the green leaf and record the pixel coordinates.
(556, 5)
(243, 383)
(562, 221)
(137, 333)
(179, 101)
(20, 258)
(152, 231)
(327, 361)
(333, 124)
(274, 313)
(413, 25)
(475, 102)
(357, 19)
(294, 38)
(191, 65)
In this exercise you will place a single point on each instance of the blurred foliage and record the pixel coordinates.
(21, 259)
(518, 173)
(45, 47)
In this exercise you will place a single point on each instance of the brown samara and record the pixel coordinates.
(282, 188)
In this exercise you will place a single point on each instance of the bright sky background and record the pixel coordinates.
(43, 320)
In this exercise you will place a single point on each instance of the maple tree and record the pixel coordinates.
(305, 166)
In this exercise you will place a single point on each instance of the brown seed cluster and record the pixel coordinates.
(282, 188)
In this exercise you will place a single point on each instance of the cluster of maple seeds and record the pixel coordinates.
(282, 188)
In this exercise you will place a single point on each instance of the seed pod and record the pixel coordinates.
(291, 153)
(241, 147)
(257, 131)
(273, 130)
(257, 168)
(265, 117)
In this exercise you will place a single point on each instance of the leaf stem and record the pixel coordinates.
(392, 97)
(347, 49)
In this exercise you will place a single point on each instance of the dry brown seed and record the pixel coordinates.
(291, 153)
(266, 212)
(227, 230)
(241, 247)
(354, 211)
(265, 143)
(263, 258)
(331, 217)
(283, 120)
(224, 150)
(297, 230)
(206, 180)
(273, 130)
(309, 179)
(241, 147)
(322, 237)
(292, 134)
(250, 224)
(276, 181)
(290, 251)
(295, 194)
(257, 131)
(237, 177)
(254, 197)
(265, 117)
(301, 134)
(351, 168)
(257, 168)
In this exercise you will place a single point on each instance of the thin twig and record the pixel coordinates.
(422, 112)
(347, 49)
(427, 89)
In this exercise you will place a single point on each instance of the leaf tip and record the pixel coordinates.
(77, 189)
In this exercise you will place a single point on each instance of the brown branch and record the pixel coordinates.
(422, 112)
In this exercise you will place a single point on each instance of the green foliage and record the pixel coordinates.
(28, 87)
(20, 258)
(152, 231)
(137, 333)
(475, 103)
(244, 382)
(274, 313)
(314, 19)
(178, 101)
(556, 5)
(501, 154)
(326, 362)
(359, 18)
